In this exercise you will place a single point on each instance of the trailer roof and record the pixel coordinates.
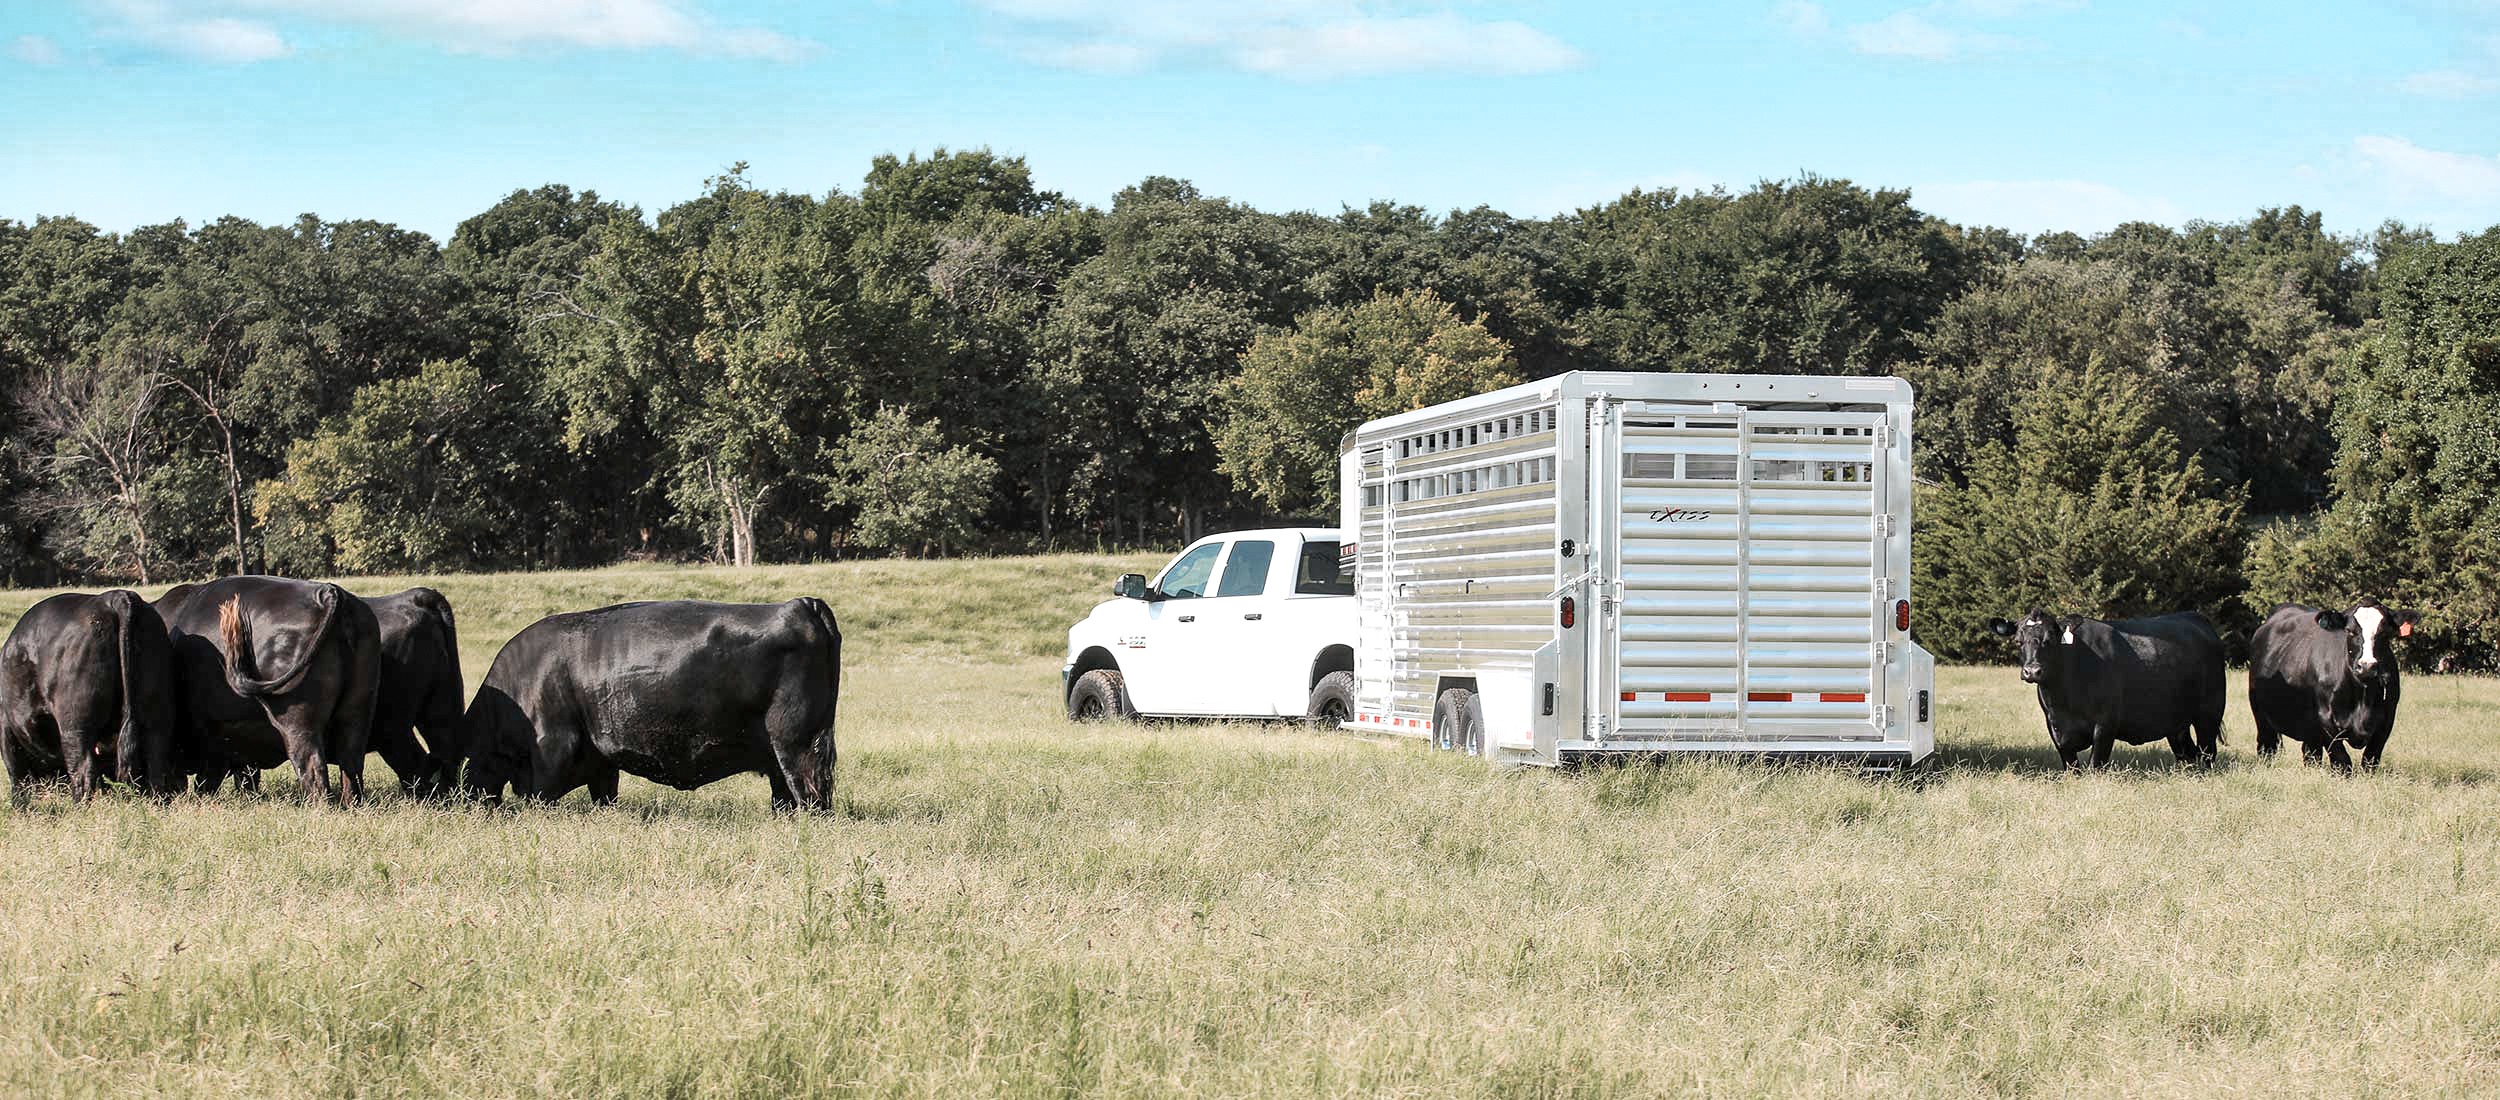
(1759, 390)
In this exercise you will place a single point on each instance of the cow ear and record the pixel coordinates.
(2000, 628)
(2405, 621)
(2332, 620)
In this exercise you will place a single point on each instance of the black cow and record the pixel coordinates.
(322, 651)
(88, 680)
(2325, 678)
(682, 692)
(2136, 680)
(420, 687)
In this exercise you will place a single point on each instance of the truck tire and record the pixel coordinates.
(1100, 696)
(1332, 699)
(1458, 722)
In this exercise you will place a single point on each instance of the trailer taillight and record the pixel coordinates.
(1901, 615)
(1569, 612)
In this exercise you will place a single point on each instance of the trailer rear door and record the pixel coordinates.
(1751, 606)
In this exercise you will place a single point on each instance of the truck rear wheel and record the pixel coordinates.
(1458, 722)
(1332, 699)
(1100, 696)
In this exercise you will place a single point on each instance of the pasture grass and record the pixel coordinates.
(1010, 905)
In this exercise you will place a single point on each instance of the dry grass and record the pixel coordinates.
(1010, 905)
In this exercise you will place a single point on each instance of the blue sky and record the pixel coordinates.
(2032, 114)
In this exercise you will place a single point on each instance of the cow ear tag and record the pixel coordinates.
(2404, 630)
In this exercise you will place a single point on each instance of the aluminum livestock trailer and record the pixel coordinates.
(1603, 563)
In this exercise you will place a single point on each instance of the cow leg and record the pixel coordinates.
(2104, 741)
(2182, 748)
(21, 770)
(2209, 740)
(2268, 737)
(2343, 759)
(602, 785)
(2370, 752)
(783, 801)
(557, 763)
(78, 748)
(300, 722)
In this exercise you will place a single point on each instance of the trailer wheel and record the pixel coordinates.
(1332, 699)
(1458, 722)
(1099, 696)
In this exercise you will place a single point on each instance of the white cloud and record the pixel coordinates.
(1931, 32)
(1295, 39)
(35, 49)
(473, 26)
(2449, 84)
(2415, 170)
(207, 35)
(1909, 34)
(2040, 206)
(1802, 17)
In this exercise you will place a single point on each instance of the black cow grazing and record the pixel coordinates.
(321, 651)
(682, 692)
(2327, 678)
(2136, 680)
(88, 680)
(420, 687)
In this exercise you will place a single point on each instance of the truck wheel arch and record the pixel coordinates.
(1335, 658)
(1093, 658)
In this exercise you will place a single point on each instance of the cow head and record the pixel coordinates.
(2039, 637)
(2370, 632)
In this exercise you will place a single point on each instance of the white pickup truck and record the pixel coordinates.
(1251, 624)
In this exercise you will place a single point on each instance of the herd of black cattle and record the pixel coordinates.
(224, 679)
(230, 677)
(2324, 678)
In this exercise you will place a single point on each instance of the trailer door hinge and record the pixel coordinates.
(1883, 588)
(1883, 525)
(1883, 716)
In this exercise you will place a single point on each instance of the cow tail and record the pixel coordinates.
(125, 613)
(240, 673)
(446, 757)
(833, 654)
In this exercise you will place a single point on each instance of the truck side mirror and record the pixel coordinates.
(1130, 586)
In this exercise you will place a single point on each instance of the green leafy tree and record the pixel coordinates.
(1300, 390)
(906, 488)
(728, 333)
(420, 474)
(2414, 519)
(2094, 509)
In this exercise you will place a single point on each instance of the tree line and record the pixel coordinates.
(954, 360)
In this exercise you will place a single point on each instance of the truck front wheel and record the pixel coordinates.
(1099, 696)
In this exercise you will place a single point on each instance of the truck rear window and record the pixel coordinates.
(1322, 572)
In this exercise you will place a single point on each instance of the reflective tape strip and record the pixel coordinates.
(1766, 696)
(1844, 697)
(1686, 696)
(1630, 695)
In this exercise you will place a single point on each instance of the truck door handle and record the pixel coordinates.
(1189, 618)
(1253, 616)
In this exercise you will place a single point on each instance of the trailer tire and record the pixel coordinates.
(1332, 699)
(1100, 696)
(1458, 722)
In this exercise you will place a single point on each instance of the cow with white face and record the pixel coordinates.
(2133, 681)
(2327, 679)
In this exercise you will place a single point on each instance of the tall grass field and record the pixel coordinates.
(1006, 904)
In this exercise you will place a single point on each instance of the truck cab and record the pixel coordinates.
(1250, 624)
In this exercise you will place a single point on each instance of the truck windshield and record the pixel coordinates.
(1321, 572)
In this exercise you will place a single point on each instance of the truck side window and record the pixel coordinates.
(1187, 578)
(1322, 571)
(1245, 573)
